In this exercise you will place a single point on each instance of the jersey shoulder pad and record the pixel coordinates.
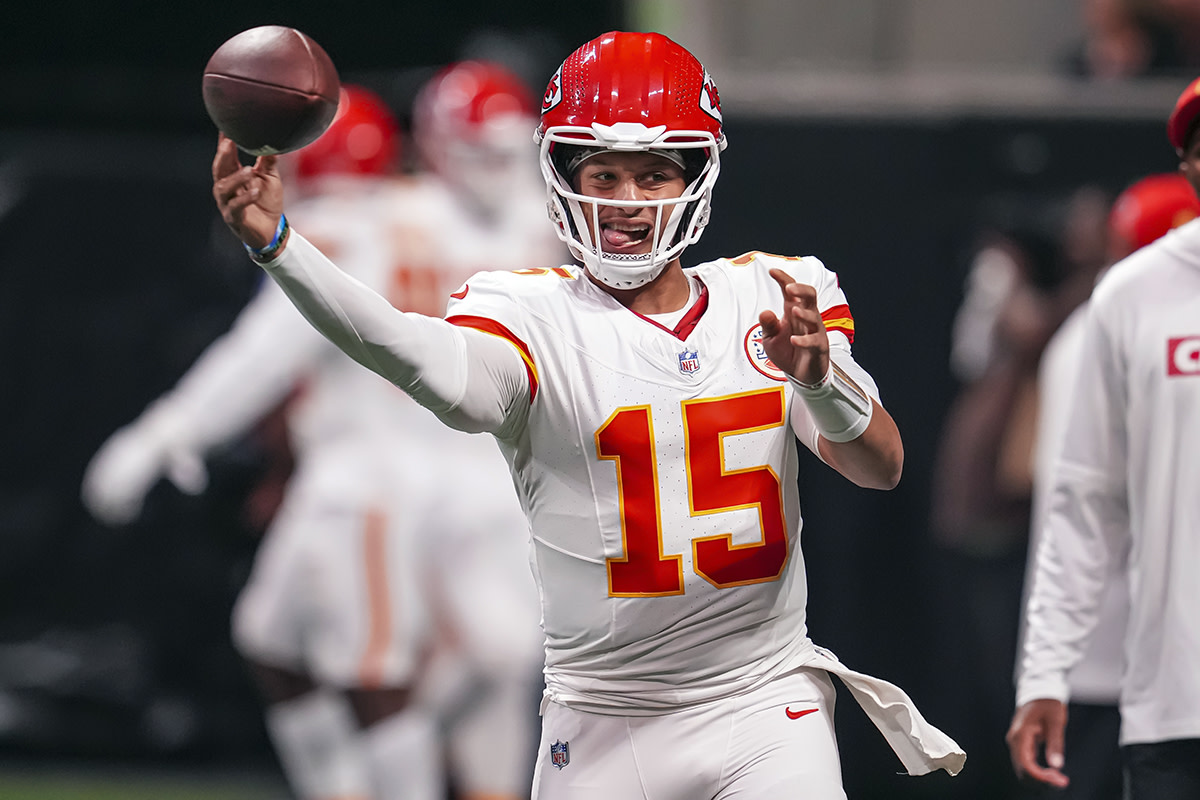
(835, 311)
(513, 288)
(805, 269)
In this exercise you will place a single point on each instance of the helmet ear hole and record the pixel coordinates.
(694, 162)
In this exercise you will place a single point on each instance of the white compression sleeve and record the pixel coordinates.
(839, 408)
(471, 380)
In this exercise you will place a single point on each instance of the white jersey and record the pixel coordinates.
(1127, 482)
(659, 474)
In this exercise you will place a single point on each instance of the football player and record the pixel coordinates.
(648, 414)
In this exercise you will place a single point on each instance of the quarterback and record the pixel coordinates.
(647, 412)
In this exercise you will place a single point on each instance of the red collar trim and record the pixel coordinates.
(690, 320)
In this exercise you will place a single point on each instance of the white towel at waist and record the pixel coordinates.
(922, 748)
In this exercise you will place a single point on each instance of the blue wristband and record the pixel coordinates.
(265, 253)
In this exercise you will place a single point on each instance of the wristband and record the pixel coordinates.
(268, 252)
(840, 410)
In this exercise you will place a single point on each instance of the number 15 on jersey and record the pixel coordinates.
(627, 439)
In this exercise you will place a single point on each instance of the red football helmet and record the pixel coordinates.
(472, 123)
(631, 92)
(1149, 208)
(363, 139)
(1183, 116)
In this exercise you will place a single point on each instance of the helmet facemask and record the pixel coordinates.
(678, 222)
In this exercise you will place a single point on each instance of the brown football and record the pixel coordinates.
(271, 89)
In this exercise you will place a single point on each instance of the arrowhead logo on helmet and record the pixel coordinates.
(710, 100)
(553, 95)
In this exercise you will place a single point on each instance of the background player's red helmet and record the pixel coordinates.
(1149, 208)
(631, 92)
(1183, 116)
(364, 139)
(472, 123)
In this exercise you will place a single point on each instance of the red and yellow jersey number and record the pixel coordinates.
(627, 439)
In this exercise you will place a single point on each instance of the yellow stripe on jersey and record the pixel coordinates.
(838, 318)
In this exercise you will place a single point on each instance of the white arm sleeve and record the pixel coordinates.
(1086, 527)
(472, 381)
(802, 421)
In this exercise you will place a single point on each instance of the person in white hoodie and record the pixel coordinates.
(1143, 212)
(1124, 502)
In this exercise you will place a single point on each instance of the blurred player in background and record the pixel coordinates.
(649, 415)
(332, 620)
(1123, 500)
(479, 205)
(394, 576)
(982, 476)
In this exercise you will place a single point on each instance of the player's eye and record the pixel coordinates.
(657, 179)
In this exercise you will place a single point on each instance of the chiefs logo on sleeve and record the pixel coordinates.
(753, 345)
(1183, 355)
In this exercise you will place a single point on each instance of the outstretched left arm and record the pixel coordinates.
(858, 437)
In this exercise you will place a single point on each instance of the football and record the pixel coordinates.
(271, 89)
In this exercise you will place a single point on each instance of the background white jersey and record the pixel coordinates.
(1097, 676)
(659, 475)
(1128, 479)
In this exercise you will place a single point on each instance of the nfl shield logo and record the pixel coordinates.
(689, 362)
(560, 753)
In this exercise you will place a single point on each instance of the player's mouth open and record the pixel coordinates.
(621, 235)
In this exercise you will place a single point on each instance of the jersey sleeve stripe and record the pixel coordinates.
(839, 318)
(490, 326)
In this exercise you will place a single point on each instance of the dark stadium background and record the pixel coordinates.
(115, 273)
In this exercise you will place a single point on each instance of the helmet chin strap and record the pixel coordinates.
(621, 278)
(633, 270)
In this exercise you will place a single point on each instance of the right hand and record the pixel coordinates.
(250, 199)
(127, 466)
(1036, 723)
(796, 341)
